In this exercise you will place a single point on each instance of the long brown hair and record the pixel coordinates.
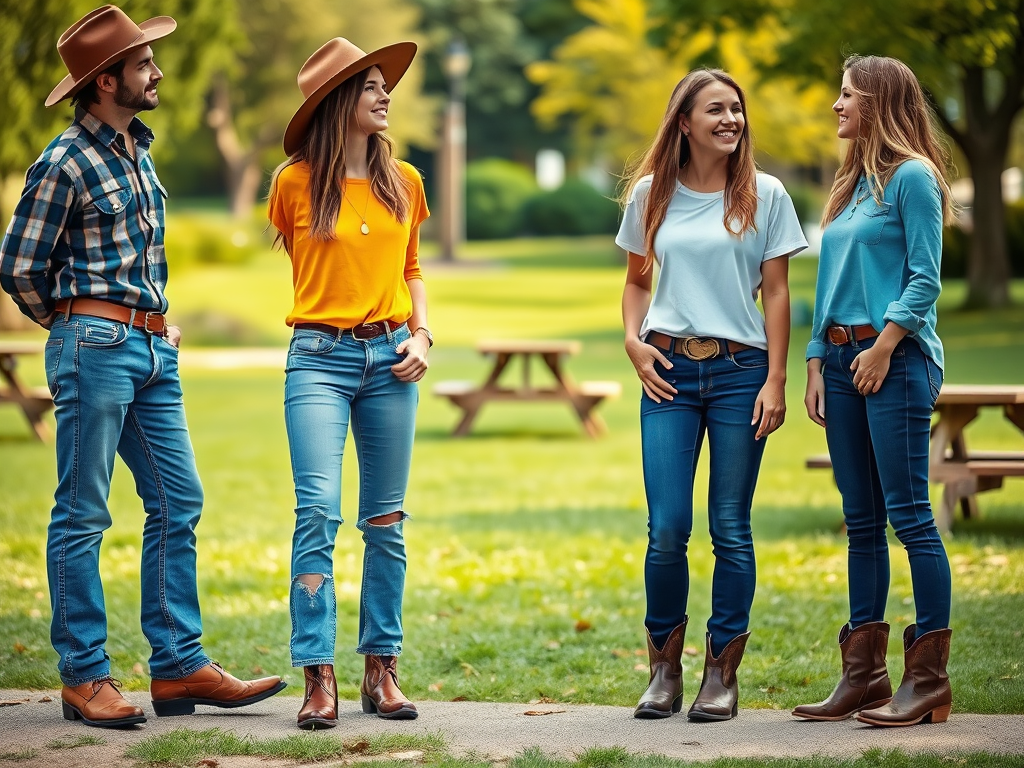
(896, 125)
(323, 149)
(670, 151)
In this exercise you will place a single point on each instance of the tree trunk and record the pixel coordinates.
(985, 144)
(244, 173)
(244, 177)
(988, 265)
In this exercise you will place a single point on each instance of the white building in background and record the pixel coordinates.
(550, 169)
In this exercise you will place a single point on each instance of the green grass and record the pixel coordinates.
(185, 747)
(71, 742)
(527, 541)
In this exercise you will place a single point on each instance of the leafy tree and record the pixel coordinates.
(969, 55)
(616, 81)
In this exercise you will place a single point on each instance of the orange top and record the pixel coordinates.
(354, 278)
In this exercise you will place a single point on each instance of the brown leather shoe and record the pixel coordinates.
(719, 692)
(209, 685)
(865, 681)
(924, 694)
(99, 704)
(664, 694)
(380, 692)
(320, 704)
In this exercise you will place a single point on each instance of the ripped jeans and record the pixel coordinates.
(332, 382)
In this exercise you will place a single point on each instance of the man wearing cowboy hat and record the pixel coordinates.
(84, 257)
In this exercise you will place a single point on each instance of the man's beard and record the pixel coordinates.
(127, 99)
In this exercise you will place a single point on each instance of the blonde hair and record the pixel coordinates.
(670, 151)
(323, 149)
(896, 125)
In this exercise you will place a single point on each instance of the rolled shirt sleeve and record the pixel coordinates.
(920, 205)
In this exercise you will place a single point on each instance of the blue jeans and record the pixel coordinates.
(879, 449)
(716, 397)
(330, 383)
(116, 390)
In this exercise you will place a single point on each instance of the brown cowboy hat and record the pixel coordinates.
(333, 63)
(99, 39)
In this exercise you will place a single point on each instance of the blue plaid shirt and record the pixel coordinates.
(90, 222)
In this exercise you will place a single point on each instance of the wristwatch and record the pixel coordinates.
(427, 333)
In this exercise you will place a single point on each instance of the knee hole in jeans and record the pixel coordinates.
(389, 518)
(310, 583)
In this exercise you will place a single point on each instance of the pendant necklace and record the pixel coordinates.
(862, 196)
(364, 227)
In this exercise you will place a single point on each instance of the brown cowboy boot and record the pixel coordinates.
(865, 681)
(719, 692)
(380, 692)
(664, 694)
(99, 704)
(209, 685)
(320, 703)
(924, 694)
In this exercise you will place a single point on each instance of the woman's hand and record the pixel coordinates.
(870, 368)
(174, 336)
(643, 356)
(415, 364)
(769, 408)
(814, 396)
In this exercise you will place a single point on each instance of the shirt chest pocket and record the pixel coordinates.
(113, 203)
(871, 221)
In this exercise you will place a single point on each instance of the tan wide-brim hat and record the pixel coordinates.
(99, 39)
(334, 63)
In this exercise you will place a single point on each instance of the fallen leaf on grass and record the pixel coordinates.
(583, 625)
(640, 667)
(45, 699)
(459, 698)
(207, 762)
(18, 647)
(13, 702)
(358, 747)
(436, 686)
(690, 650)
(535, 712)
(138, 669)
(553, 645)
(618, 653)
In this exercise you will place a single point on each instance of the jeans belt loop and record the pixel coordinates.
(131, 319)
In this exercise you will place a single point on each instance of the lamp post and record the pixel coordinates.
(457, 61)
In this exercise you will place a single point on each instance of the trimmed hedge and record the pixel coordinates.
(496, 191)
(956, 244)
(575, 208)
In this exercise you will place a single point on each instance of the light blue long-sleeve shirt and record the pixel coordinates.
(880, 263)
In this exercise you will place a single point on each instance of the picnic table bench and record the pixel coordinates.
(964, 473)
(582, 396)
(33, 401)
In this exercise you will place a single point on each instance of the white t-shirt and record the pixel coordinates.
(709, 275)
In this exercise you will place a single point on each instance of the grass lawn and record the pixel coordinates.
(527, 541)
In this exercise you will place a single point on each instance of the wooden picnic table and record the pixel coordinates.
(33, 401)
(583, 396)
(964, 473)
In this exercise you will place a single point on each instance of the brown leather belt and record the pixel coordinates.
(363, 331)
(694, 347)
(150, 322)
(846, 334)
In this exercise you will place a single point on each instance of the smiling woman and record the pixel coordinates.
(707, 362)
(348, 215)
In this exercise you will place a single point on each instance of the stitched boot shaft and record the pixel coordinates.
(380, 692)
(865, 681)
(924, 694)
(99, 704)
(664, 694)
(719, 692)
(320, 702)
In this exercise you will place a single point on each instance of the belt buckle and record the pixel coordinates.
(838, 334)
(145, 324)
(699, 349)
(370, 333)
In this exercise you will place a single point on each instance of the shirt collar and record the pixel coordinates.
(107, 136)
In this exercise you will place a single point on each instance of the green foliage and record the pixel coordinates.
(808, 200)
(72, 742)
(496, 191)
(575, 208)
(197, 238)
